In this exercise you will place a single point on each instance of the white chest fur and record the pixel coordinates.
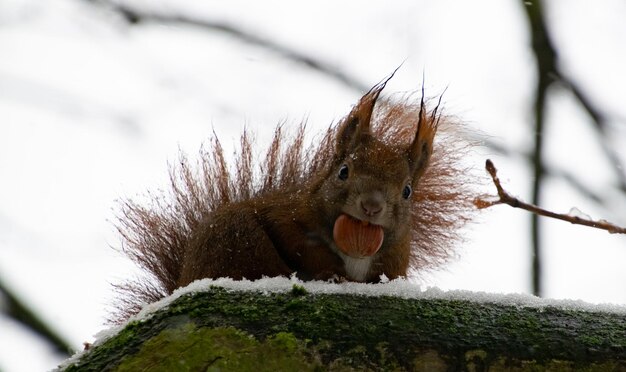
(357, 268)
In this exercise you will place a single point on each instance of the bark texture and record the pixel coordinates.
(249, 331)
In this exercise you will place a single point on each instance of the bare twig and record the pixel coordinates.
(506, 198)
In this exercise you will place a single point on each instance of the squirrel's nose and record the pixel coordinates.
(372, 204)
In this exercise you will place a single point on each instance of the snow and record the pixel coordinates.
(577, 213)
(402, 288)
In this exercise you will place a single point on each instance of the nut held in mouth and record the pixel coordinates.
(357, 238)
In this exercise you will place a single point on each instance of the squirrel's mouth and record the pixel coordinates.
(357, 238)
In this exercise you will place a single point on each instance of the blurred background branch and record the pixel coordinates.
(136, 15)
(548, 72)
(17, 310)
(546, 68)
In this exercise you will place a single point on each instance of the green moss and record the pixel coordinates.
(298, 290)
(127, 341)
(429, 360)
(348, 331)
(188, 348)
(284, 341)
(509, 365)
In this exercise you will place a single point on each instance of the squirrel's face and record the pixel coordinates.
(373, 184)
(366, 195)
(372, 187)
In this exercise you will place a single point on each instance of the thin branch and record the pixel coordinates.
(135, 15)
(554, 172)
(506, 198)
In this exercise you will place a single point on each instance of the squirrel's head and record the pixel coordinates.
(368, 190)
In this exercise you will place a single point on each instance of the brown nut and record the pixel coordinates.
(356, 238)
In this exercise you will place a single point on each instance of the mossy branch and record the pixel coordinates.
(298, 330)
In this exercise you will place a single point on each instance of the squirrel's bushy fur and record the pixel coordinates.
(173, 238)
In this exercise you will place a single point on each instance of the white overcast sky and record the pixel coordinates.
(92, 110)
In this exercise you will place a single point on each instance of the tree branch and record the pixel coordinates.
(506, 198)
(599, 120)
(21, 313)
(135, 15)
(302, 330)
(546, 57)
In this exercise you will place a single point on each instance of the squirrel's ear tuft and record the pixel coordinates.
(356, 126)
(422, 146)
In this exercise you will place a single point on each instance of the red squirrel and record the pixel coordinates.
(376, 195)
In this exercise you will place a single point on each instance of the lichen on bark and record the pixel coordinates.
(222, 329)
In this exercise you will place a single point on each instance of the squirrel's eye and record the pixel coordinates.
(343, 172)
(406, 193)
